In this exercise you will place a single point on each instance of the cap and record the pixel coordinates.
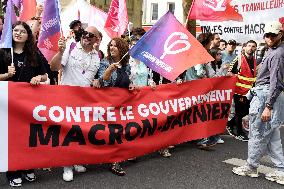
(273, 27)
(232, 42)
(74, 23)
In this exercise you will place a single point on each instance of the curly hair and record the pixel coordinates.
(205, 38)
(29, 48)
(122, 47)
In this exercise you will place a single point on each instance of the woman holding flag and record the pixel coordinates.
(24, 65)
(115, 73)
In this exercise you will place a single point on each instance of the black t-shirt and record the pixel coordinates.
(251, 65)
(24, 70)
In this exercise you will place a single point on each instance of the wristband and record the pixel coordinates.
(269, 106)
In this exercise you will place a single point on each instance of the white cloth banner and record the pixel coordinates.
(256, 13)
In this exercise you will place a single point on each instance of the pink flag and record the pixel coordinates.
(117, 19)
(97, 18)
(28, 10)
(79, 15)
(213, 10)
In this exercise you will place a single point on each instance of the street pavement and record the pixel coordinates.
(188, 167)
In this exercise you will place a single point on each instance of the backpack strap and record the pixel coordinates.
(72, 46)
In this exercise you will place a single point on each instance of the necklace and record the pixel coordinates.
(86, 65)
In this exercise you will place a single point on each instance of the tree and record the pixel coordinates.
(190, 24)
(3, 4)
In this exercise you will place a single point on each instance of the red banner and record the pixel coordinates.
(213, 10)
(52, 126)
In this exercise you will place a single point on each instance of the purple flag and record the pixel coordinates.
(50, 29)
(10, 18)
(18, 3)
(168, 48)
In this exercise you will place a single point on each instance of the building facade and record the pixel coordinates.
(153, 10)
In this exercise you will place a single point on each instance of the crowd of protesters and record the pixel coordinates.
(80, 62)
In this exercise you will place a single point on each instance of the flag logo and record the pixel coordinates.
(183, 39)
(215, 5)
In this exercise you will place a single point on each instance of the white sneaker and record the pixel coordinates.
(30, 177)
(165, 153)
(276, 176)
(68, 174)
(16, 182)
(220, 141)
(80, 168)
(245, 170)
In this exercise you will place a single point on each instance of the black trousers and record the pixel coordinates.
(11, 175)
(242, 109)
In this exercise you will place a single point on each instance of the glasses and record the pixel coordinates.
(270, 35)
(18, 31)
(219, 53)
(86, 34)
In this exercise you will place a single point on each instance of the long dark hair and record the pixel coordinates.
(123, 48)
(214, 52)
(29, 48)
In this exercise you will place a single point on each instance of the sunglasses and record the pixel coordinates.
(272, 35)
(86, 34)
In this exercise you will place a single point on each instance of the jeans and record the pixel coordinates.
(264, 137)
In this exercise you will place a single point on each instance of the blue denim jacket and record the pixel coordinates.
(104, 64)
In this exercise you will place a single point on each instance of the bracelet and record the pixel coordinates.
(269, 106)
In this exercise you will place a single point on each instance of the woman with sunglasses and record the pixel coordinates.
(216, 68)
(27, 66)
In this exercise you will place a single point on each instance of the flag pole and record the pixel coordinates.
(12, 56)
(128, 27)
(122, 59)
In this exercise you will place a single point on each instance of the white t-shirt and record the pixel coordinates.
(78, 67)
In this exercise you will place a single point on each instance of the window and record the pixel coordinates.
(154, 8)
(171, 7)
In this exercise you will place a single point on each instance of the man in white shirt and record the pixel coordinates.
(79, 63)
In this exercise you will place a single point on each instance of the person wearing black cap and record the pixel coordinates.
(228, 55)
(266, 109)
(76, 30)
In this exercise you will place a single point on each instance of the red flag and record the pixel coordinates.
(117, 19)
(213, 10)
(281, 20)
(28, 10)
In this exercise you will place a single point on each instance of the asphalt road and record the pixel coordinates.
(188, 167)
